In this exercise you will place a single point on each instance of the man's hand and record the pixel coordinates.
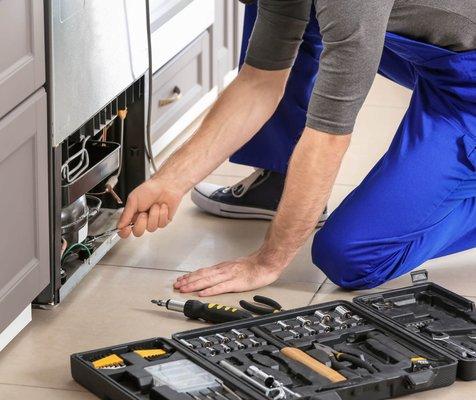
(243, 274)
(150, 206)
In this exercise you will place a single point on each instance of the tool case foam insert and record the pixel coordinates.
(390, 331)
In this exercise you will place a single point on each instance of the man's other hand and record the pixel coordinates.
(240, 275)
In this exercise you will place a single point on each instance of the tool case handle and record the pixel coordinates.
(420, 380)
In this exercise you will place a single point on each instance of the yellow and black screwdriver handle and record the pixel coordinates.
(209, 312)
(212, 312)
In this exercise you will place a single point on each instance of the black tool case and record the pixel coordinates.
(400, 356)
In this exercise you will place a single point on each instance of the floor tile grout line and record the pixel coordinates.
(317, 291)
(180, 271)
(183, 271)
(321, 284)
(44, 387)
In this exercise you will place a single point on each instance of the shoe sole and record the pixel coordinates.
(236, 212)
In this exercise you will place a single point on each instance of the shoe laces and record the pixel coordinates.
(240, 188)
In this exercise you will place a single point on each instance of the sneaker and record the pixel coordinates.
(255, 197)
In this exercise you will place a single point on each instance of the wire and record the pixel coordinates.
(70, 249)
(148, 147)
(72, 174)
(122, 114)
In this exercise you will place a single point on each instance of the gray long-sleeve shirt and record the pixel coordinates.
(353, 33)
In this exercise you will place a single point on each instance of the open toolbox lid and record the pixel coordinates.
(433, 313)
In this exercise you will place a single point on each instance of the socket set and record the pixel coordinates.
(382, 345)
(319, 323)
(224, 343)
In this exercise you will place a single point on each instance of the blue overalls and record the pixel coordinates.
(419, 201)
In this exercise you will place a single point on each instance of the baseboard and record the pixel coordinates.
(15, 327)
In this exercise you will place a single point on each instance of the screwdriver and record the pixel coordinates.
(208, 312)
(110, 232)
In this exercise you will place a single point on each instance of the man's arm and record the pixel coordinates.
(237, 115)
(311, 175)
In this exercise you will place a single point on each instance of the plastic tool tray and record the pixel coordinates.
(381, 347)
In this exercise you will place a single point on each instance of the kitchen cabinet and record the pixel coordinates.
(22, 60)
(211, 69)
(180, 84)
(175, 24)
(223, 41)
(238, 20)
(24, 237)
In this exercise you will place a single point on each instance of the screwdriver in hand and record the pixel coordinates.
(110, 232)
(209, 312)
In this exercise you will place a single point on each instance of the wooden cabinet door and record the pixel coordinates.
(24, 234)
(238, 20)
(22, 60)
(223, 41)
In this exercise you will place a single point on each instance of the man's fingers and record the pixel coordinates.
(140, 224)
(125, 232)
(153, 218)
(223, 287)
(180, 279)
(163, 216)
(189, 278)
(130, 210)
(196, 275)
(128, 229)
(203, 283)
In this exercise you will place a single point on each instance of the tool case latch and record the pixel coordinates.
(420, 380)
(419, 276)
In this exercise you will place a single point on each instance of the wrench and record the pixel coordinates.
(444, 337)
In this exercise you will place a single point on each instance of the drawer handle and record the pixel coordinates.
(177, 95)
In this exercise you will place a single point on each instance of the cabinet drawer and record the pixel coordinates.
(22, 54)
(175, 24)
(23, 206)
(179, 84)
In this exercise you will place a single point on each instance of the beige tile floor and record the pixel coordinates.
(111, 305)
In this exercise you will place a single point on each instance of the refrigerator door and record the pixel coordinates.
(97, 49)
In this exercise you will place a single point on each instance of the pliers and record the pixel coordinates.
(269, 306)
(338, 356)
